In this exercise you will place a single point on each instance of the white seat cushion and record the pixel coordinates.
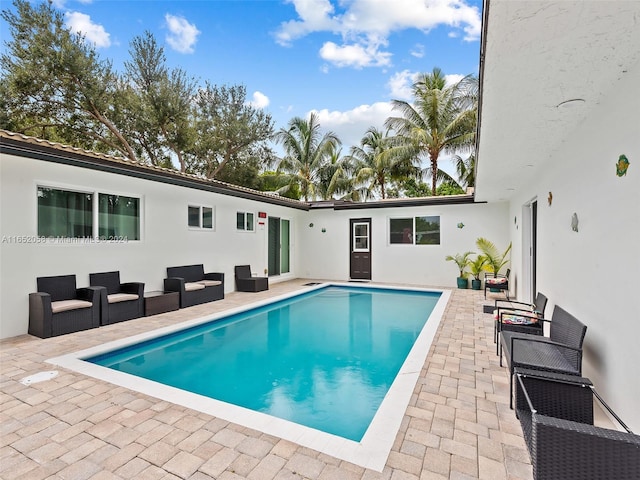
(121, 297)
(210, 283)
(65, 305)
(495, 281)
(192, 286)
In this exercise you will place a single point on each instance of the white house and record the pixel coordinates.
(560, 92)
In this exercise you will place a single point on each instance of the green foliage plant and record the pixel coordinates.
(495, 260)
(476, 267)
(462, 260)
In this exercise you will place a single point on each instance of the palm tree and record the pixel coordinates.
(376, 165)
(306, 152)
(442, 119)
(334, 176)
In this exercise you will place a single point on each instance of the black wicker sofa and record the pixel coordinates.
(193, 285)
(556, 412)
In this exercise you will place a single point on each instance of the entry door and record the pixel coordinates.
(360, 249)
(279, 246)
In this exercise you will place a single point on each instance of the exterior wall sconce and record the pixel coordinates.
(324, 230)
(311, 225)
(574, 222)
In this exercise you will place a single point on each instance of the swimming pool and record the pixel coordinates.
(335, 352)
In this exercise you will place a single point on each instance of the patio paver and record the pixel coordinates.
(458, 424)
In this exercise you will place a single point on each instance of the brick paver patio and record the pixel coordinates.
(458, 424)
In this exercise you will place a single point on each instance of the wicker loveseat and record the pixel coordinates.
(119, 301)
(58, 307)
(193, 285)
(556, 412)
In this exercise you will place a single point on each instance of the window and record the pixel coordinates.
(415, 231)
(360, 237)
(200, 217)
(118, 217)
(74, 214)
(63, 213)
(244, 221)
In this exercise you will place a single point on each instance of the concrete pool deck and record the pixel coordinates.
(458, 424)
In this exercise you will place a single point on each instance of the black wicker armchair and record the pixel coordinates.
(556, 413)
(119, 301)
(561, 352)
(245, 282)
(58, 307)
(193, 285)
(522, 317)
(497, 283)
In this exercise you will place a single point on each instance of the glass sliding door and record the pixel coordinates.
(284, 247)
(279, 247)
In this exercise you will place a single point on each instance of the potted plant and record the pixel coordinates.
(476, 267)
(495, 260)
(462, 261)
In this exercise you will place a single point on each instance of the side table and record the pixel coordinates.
(156, 302)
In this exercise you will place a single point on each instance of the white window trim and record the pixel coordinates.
(244, 223)
(200, 207)
(94, 192)
(353, 234)
(413, 240)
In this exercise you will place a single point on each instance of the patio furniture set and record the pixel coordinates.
(59, 307)
(554, 403)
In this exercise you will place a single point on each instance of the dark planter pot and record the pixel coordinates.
(462, 282)
(476, 284)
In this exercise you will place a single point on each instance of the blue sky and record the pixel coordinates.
(345, 59)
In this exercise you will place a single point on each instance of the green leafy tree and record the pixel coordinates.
(230, 133)
(306, 152)
(164, 99)
(441, 119)
(271, 181)
(376, 165)
(55, 84)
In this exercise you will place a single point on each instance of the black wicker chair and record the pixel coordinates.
(498, 283)
(119, 301)
(520, 317)
(245, 282)
(58, 307)
(193, 285)
(561, 352)
(556, 415)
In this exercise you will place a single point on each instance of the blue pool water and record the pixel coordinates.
(324, 359)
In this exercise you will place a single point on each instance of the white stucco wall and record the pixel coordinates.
(166, 238)
(593, 273)
(326, 255)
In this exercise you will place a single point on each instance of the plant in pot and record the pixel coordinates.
(462, 261)
(476, 267)
(495, 260)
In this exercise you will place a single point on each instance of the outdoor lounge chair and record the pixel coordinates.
(556, 413)
(245, 282)
(520, 317)
(193, 285)
(497, 283)
(118, 301)
(58, 307)
(561, 352)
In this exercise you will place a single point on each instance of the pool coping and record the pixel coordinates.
(371, 452)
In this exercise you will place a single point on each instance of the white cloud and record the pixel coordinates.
(260, 100)
(182, 35)
(453, 79)
(366, 25)
(94, 33)
(400, 84)
(351, 125)
(355, 55)
(418, 50)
